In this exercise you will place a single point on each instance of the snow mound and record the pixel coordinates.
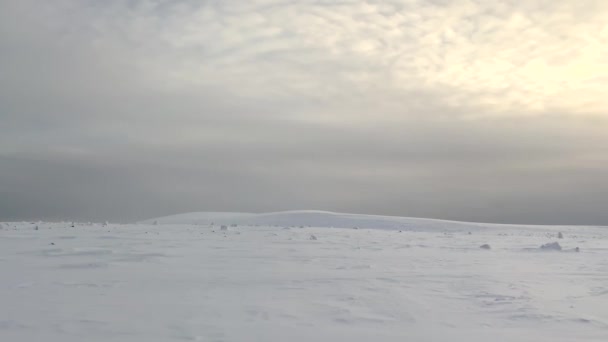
(314, 218)
(554, 246)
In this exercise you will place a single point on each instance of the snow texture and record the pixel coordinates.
(180, 280)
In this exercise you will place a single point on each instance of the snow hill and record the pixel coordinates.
(315, 218)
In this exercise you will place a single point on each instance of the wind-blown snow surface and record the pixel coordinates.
(183, 279)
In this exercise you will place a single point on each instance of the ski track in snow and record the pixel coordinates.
(181, 282)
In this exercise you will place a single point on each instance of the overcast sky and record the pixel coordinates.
(469, 110)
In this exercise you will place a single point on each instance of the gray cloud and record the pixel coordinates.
(459, 110)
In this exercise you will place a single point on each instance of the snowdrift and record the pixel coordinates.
(314, 218)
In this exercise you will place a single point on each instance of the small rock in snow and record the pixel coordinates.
(552, 246)
(485, 246)
(312, 237)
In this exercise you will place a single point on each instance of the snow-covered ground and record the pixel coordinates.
(276, 279)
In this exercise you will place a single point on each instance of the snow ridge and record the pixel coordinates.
(312, 218)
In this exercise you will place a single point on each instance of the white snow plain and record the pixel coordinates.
(393, 279)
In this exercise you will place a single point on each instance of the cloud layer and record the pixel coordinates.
(471, 110)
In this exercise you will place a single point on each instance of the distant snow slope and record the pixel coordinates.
(64, 282)
(315, 218)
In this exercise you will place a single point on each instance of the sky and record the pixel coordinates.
(493, 111)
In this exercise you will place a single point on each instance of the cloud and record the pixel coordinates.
(531, 57)
(455, 109)
(534, 57)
